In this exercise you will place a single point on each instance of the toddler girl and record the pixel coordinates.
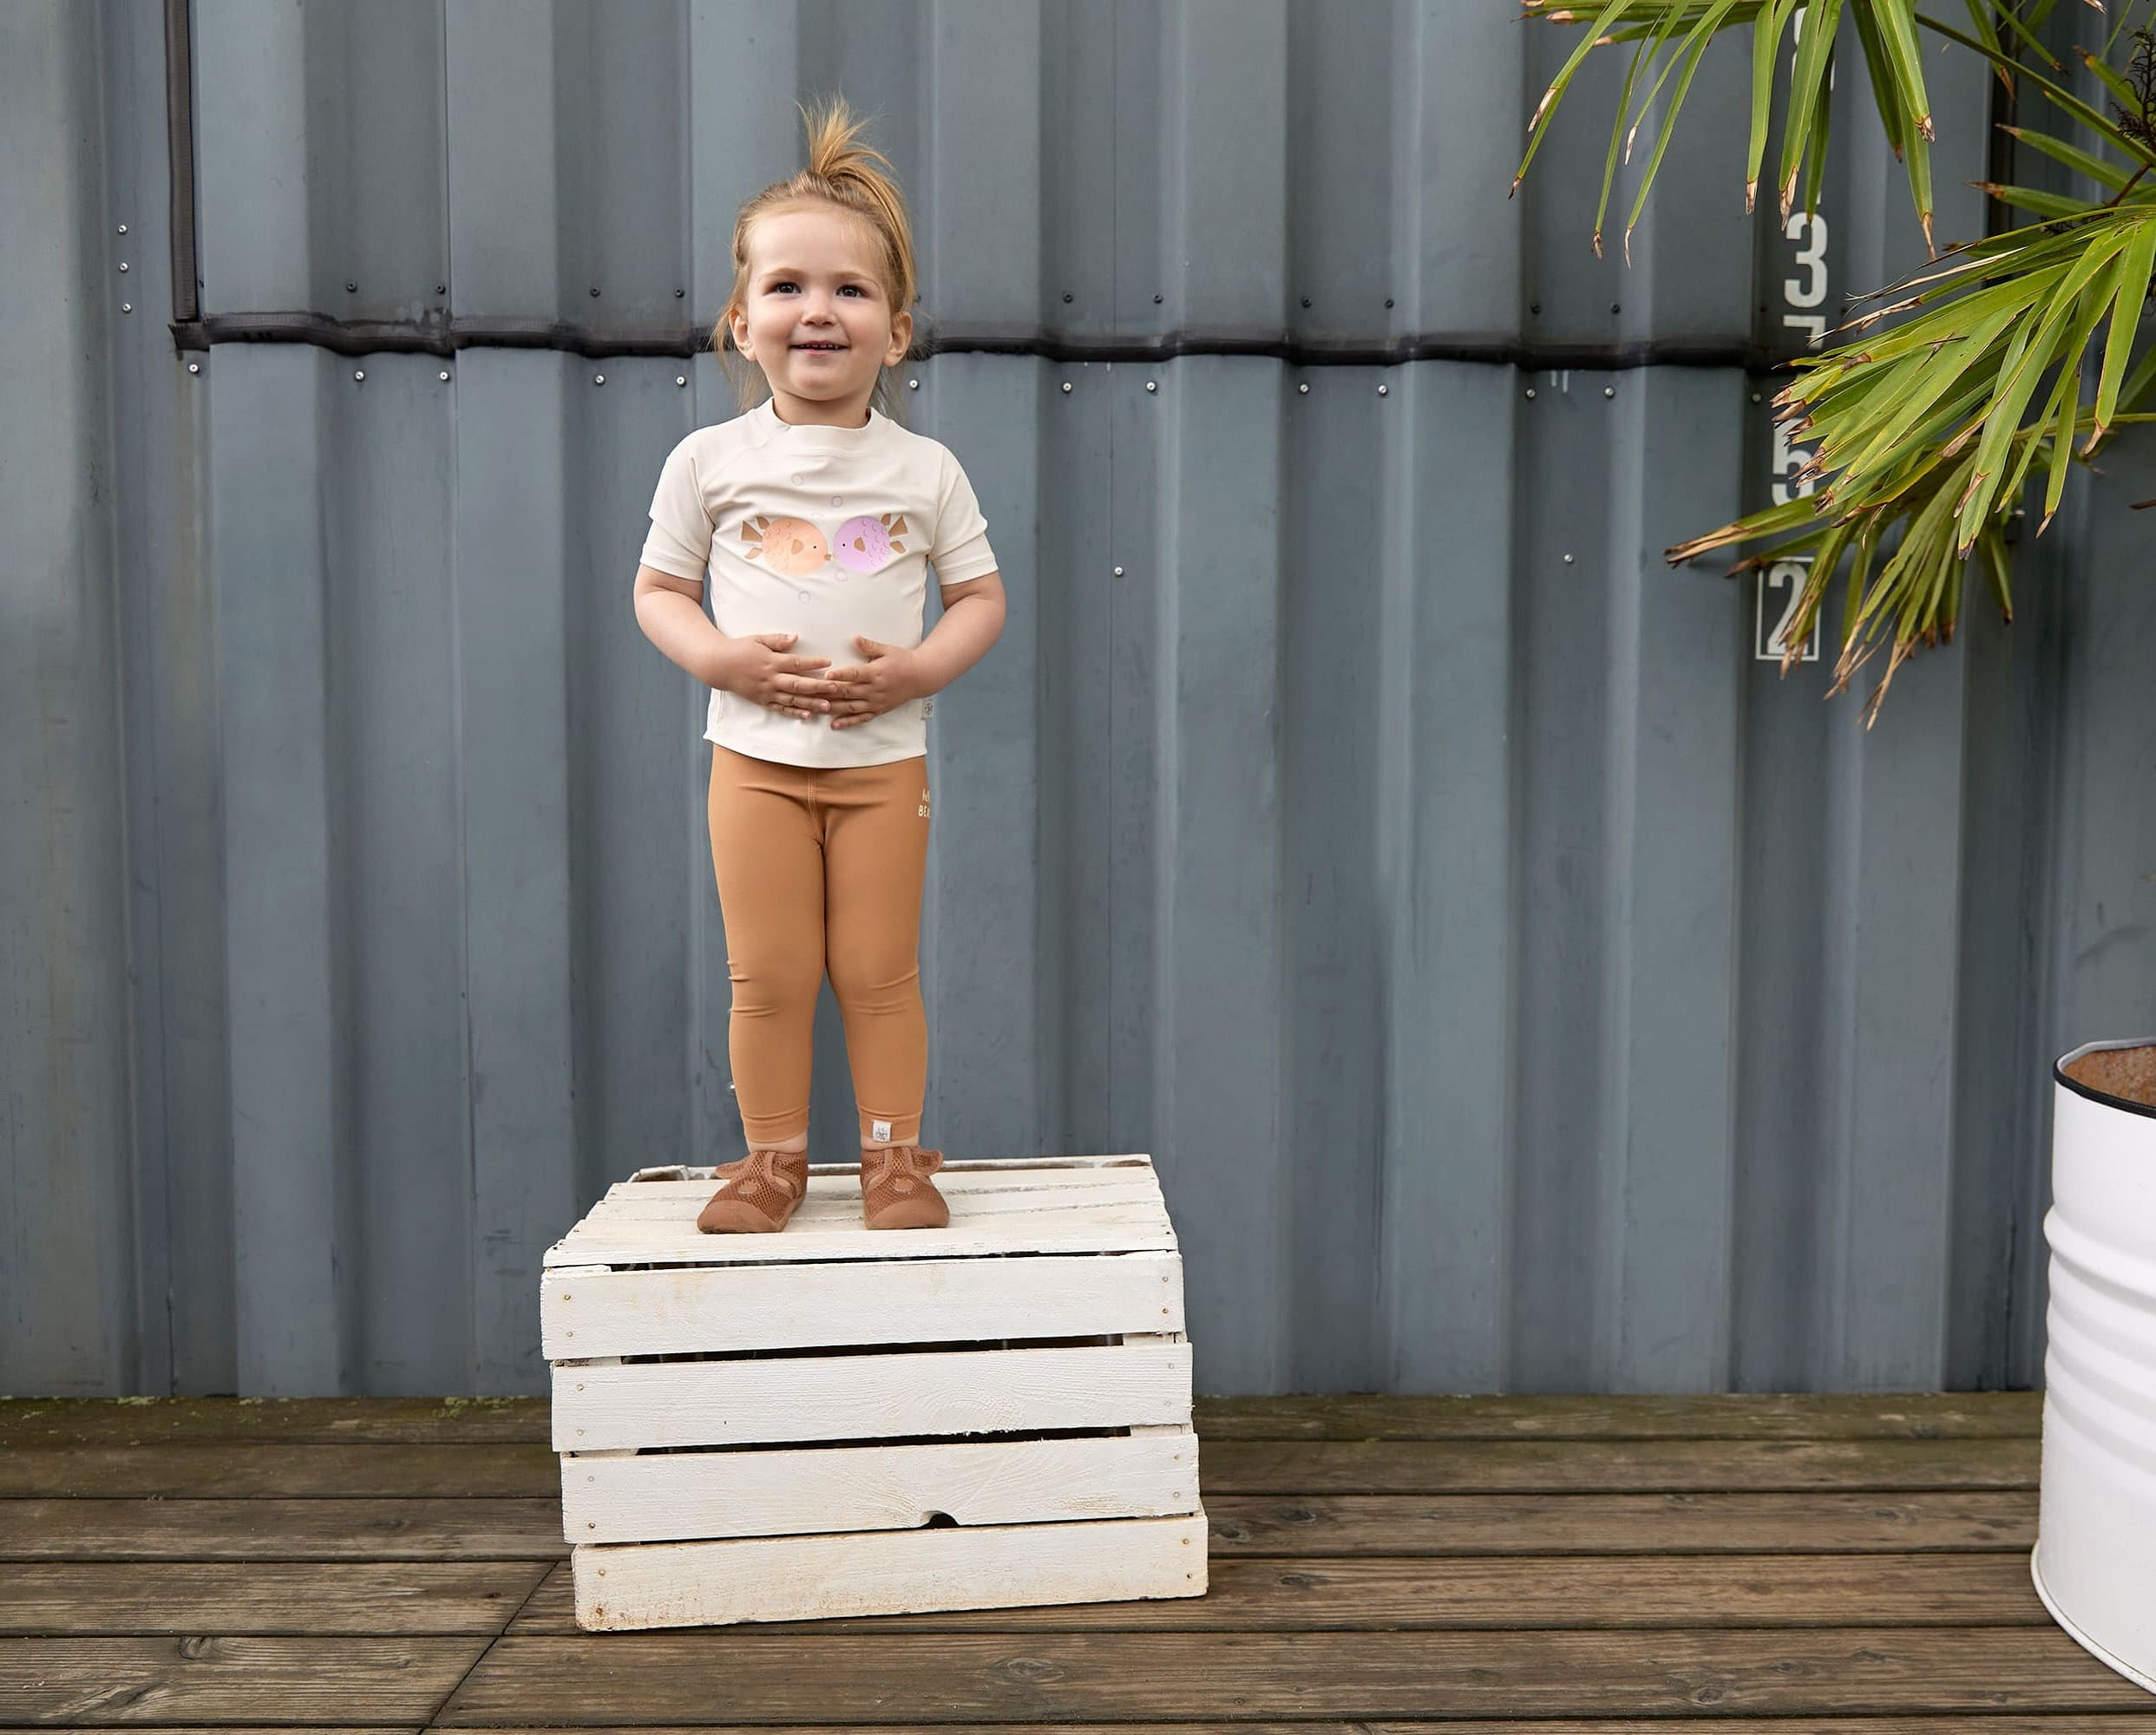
(816, 514)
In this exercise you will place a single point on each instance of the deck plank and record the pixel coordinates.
(1497, 1593)
(1740, 1416)
(746, 1675)
(282, 1529)
(408, 1598)
(226, 1470)
(88, 1683)
(230, 1471)
(80, 1422)
(1609, 1466)
(1618, 1523)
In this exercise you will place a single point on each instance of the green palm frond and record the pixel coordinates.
(1925, 432)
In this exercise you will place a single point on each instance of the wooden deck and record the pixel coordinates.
(1832, 1566)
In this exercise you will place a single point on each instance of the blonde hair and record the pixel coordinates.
(843, 172)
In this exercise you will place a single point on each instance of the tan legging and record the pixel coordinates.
(820, 867)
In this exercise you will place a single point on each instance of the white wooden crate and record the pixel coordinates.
(834, 1421)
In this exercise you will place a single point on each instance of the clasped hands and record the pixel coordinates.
(807, 687)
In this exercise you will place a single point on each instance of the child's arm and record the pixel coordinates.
(671, 612)
(971, 621)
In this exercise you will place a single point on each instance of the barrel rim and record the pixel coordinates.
(2059, 1065)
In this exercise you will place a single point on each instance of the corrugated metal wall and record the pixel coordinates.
(1521, 986)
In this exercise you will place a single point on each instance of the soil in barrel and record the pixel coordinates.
(2126, 1072)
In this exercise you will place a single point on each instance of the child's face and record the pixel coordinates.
(813, 281)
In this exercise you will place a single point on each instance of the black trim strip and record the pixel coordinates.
(186, 307)
(2104, 1096)
(442, 336)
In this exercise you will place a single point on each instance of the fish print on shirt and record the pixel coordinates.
(796, 547)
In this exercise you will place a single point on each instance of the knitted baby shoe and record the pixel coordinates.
(895, 1190)
(762, 1190)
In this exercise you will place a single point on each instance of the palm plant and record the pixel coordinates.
(1920, 429)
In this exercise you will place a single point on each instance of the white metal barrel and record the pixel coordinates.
(2095, 1563)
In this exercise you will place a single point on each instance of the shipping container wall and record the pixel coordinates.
(1520, 983)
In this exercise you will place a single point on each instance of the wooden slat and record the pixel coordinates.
(743, 1674)
(990, 1171)
(278, 1529)
(1284, 1527)
(1617, 1524)
(837, 1198)
(1610, 1466)
(227, 1471)
(337, 1680)
(742, 1400)
(1997, 1415)
(1122, 1228)
(651, 1497)
(72, 1422)
(788, 1578)
(2072, 1722)
(1557, 1591)
(1742, 1415)
(716, 1309)
(761, 1390)
(408, 1597)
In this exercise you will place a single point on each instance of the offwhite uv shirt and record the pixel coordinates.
(824, 532)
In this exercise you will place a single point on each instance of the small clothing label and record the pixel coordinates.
(880, 1129)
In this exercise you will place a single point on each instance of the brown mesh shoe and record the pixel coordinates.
(762, 1190)
(895, 1190)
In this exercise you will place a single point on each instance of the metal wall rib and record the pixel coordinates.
(1521, 986)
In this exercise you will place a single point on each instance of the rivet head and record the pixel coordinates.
(1306, 301)
(194, 367)
(359, 373)
(1153, 385)
(127, 307)
(1388, 301)
(1610, 391)
(1383, 390)
(598, 379)
(123, 228)
(679, 293)
(351, 288)
(681, 379)
(1568, 559)
(1156, 301)
(441, 289)
(1304, 387)
(123, 264)
(594, 294)
(1755, 397)
(1530, 391)
(1118, 572)
(1066, 295)
(445, 373)
(913, 385)
(1067, 385)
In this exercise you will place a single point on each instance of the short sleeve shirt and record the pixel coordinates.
(824, 532)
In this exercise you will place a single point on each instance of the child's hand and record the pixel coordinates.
(889, 678)
(758, 670)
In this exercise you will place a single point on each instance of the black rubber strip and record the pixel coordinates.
(2103, 1097)
(186, 306)
(444, 337)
